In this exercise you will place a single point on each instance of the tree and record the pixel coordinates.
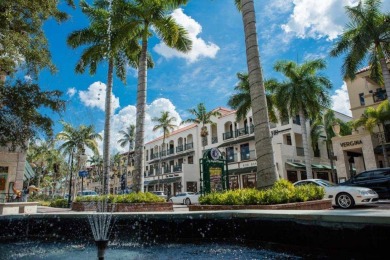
(376, 117)
(303, 93)
(21, 119)
(202, 117)
(22, 40)
(241, 101)
(367, 34)
(165, 123)
(107, 39)
(151, 14)
(128, 139)
(266, 174)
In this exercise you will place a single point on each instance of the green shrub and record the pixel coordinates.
(281, 192)
(140, 197)
(59, 203)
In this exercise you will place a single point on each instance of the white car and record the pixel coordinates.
(343, 196)
(187, 198)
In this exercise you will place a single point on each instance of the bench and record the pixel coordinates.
(12, 208)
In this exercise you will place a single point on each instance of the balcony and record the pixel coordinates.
(153, 156)
(248, 155)
(179, 148)
(214, 139)
(242, 131)
(170, 151)
(231, 158)
(227, 135)
(189, 146)
(379, 95)
(177, 168)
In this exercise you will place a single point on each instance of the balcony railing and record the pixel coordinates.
(177, 168)
(300, 151)
(179, 148)
(188, 146)
(242, 131)
(170, 151)
(214, 140)
(248, 155)
(153, 156)
(227, 135)
(231, 158)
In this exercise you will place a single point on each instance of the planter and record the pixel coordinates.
(124, 207)
(307, 205)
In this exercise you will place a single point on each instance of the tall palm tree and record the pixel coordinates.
(75, 140)
(97, 162)
(303, 92)
(241, 101)
(202, 117)
(107, 39)
(376, 117)
(149, 14)
(166, 124)
(127, 139)
(266, 174)
(367, 34)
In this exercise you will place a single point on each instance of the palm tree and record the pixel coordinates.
(165, 123)
(303, 92)
(367, 34)
(376, 117)
(108, 40)
(147, 14)
(127, 139)
(241, 101)
(266, 174)
(75, 140)
(97, 162)
(202, 117)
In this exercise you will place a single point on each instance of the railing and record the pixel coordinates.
(153, 156)
(249, 155)
(204, 141)
(231, 158)
(179, 148)
(188, 146)
(177, 168)
(163, 153)
(214, 140)
(170, 151)
(382, 137)
(251, 129)
(379, 95)
(300, 151)
(167, 170)
(227, 135)
(242, 131)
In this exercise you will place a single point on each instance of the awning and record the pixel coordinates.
(292, 164)
(328, 167)
(317, 166)
(243, 170)
(162, 181)
(28, 172)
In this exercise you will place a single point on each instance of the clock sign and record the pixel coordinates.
(215, 153)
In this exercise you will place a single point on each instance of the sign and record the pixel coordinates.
(351, 143)
(249, 164)
(215, 154)
(83, 174)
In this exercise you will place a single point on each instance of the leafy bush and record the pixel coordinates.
(59, 203)
(140, 197)
(281, 192)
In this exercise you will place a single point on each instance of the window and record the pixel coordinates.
(244, 148)
(380, 174)
(249, 181)
(303, 175)
(292, 176)
(323, 176)
(190, 160)
(361, 98)
(233, 182)
(288, 140)
(297, 120)
(192, 186)
(230, 154)
(363, 176)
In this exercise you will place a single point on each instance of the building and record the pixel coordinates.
(175, 167)
(361, 150)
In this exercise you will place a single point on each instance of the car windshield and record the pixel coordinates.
(326, 183)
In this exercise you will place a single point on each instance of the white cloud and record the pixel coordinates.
(27, 78)
(200, 48)
(71, 92)
(340, 100)
(95, 96)
(127, 116)
(317, 19)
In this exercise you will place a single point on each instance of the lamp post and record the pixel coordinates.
(82, 160)
(336, 131)
(70, 179)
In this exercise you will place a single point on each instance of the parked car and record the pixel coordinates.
(161, 194)
(377, 180)
(87, 193)
(343, 196)
(187, 198)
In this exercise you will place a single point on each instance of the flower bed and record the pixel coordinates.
(307, 205)
(123, 207)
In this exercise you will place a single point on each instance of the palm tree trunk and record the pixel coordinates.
(140, 120)
(266, 174)
(386, 76)
(107, 126)
(384, 151)
(305, 144)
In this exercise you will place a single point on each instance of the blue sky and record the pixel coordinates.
(287, 29)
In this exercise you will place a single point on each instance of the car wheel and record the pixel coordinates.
(188, 201)
(345, 201)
